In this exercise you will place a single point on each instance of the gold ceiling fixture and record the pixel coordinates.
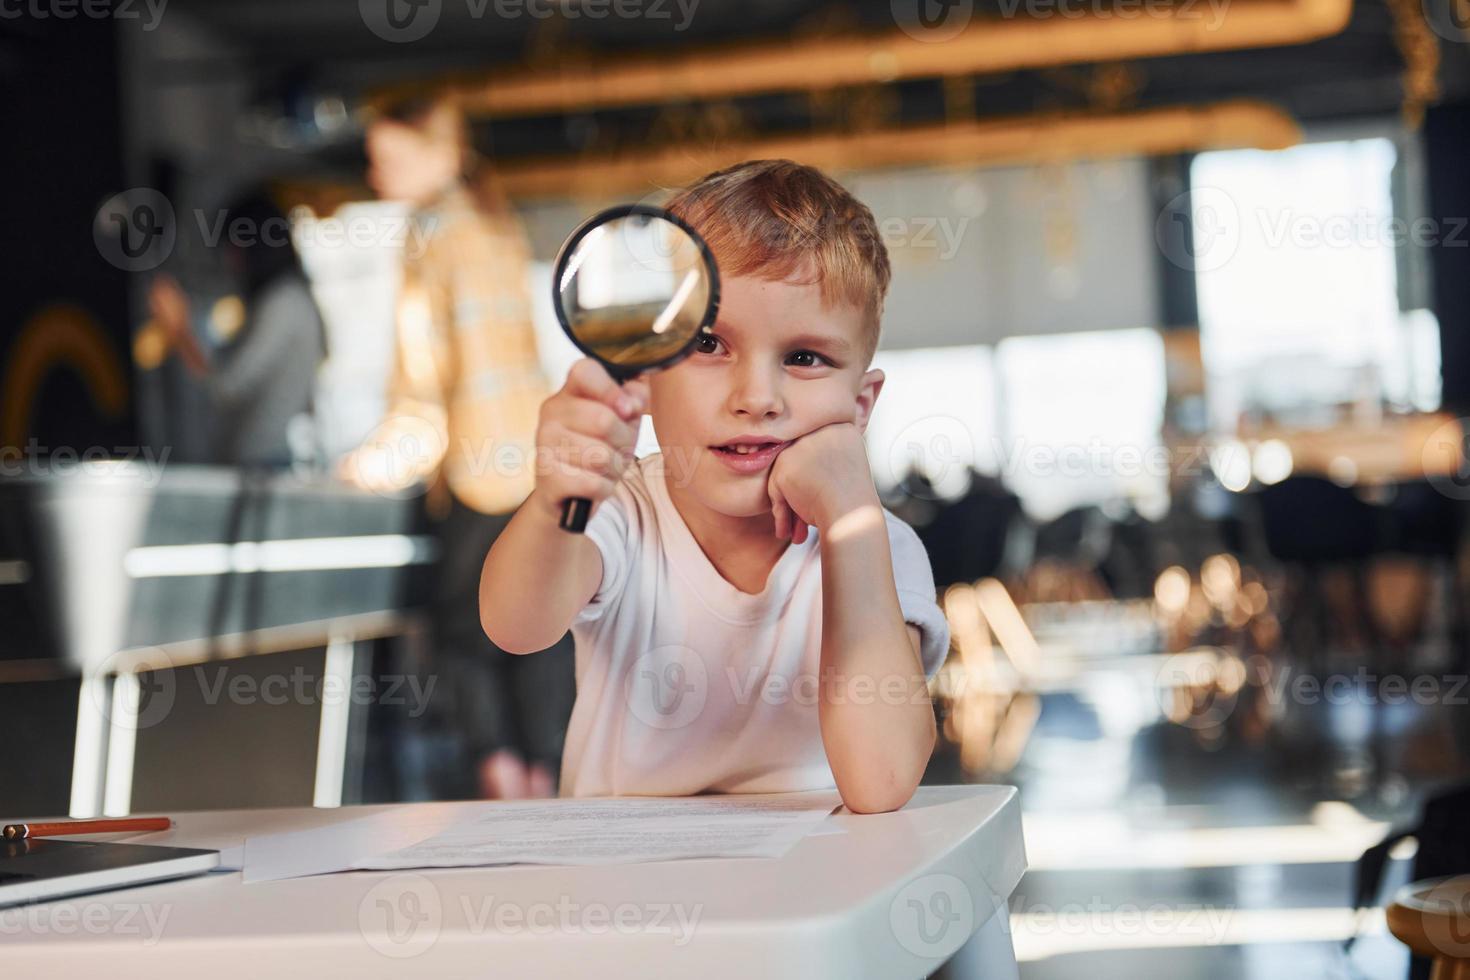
(1041, 138)
(805, 62)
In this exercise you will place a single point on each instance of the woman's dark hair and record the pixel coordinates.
(261, 234)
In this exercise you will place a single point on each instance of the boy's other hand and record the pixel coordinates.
(818, 478)
(585, 435)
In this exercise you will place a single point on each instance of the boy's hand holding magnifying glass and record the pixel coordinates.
(586, 434)
(633, 287)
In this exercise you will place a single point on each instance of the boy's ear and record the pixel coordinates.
(867, 397)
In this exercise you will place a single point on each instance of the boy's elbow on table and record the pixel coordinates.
(509, 641)
(886, 795)
(877, 801)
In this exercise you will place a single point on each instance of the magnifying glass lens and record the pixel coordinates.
(634, 287)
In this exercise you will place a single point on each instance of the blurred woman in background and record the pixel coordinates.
(264, 378)
(463, 403)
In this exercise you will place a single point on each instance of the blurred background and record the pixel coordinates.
(1177, 355)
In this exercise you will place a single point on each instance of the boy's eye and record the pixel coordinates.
(816, 359)
(708, 343)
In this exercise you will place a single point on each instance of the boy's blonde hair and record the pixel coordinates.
(783, 221)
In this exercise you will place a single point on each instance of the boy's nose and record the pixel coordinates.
(755, 396)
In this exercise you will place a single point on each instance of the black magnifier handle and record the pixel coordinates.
(575, 510)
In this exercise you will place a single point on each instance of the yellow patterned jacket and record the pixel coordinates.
(467, 384)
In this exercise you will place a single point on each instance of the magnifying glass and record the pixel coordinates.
(633, 287)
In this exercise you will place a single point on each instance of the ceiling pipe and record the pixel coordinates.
(983, 46)
(997, 142)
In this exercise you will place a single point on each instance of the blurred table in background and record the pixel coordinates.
(114, 577)
(1394, 449)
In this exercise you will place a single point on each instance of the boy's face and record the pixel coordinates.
(777, 366)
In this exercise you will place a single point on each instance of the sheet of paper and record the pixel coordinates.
(320, 850)
(626, 830)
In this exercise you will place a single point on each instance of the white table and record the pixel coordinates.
(895, 895)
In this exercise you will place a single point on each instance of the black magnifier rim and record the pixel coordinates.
(568, 247)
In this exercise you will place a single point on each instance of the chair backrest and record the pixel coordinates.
(1311, 520)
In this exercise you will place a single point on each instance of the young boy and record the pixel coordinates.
(746, 620)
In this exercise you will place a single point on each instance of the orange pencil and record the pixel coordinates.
(19, 831)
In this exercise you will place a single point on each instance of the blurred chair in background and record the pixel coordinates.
(990, 700)
(1325, 536)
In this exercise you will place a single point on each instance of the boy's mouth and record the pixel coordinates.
(748, 454)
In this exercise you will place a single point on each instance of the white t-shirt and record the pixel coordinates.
(685, 684)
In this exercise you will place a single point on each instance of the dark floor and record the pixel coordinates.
(1159, 850)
